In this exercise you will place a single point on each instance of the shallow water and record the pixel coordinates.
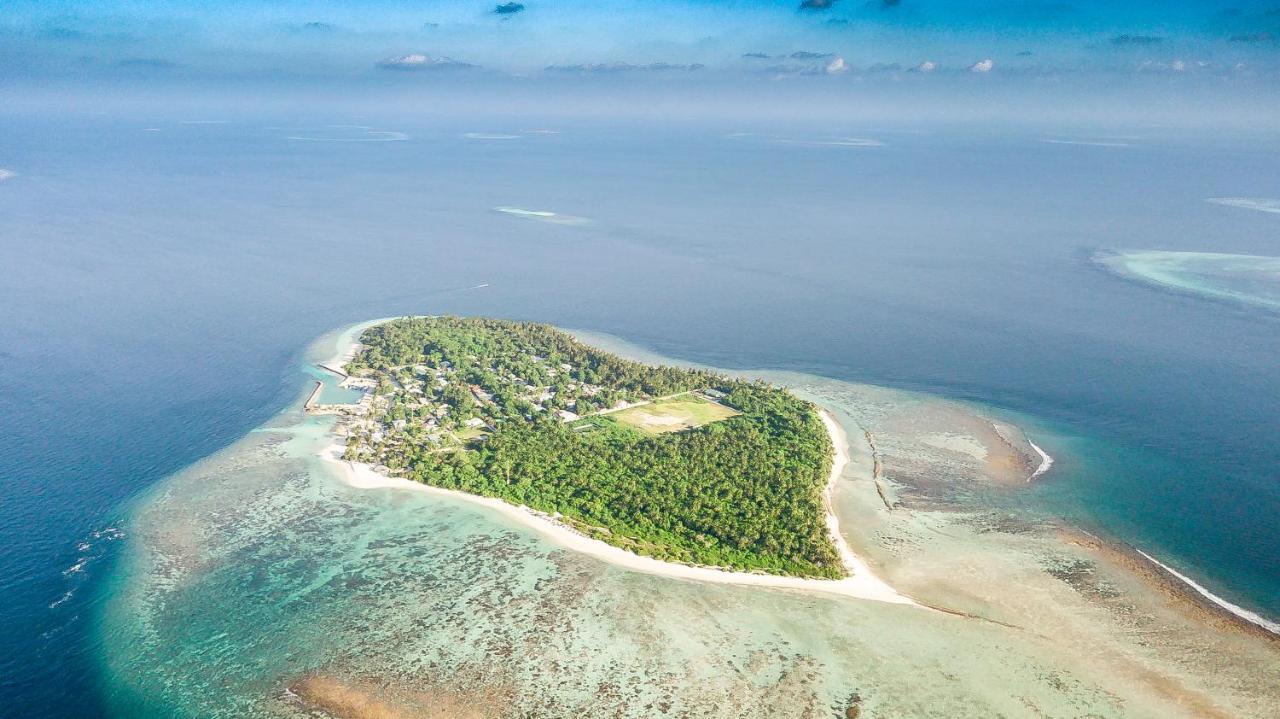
(259, 567)
(1248, 279)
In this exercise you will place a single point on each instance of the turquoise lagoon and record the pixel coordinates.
(259, 567)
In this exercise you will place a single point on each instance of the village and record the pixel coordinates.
(444, 408)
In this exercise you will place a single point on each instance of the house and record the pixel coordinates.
(566, 415)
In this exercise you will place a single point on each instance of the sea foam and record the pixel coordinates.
(1261, 204)
(1245, 614)
(1045, 461)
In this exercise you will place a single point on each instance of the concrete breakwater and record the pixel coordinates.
(314, 398)
(313, 405)
(330, 368)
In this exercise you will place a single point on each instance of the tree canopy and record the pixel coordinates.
(743, 493)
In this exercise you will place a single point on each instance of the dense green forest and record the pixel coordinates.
(513, 410)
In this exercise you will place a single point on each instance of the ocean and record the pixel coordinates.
(165, 276)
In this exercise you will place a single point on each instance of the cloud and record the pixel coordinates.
(816, 5)
(604, 68)
(984, 65)
(756, 55)
(6, 174)
(510, 8)
(926, 66)
(420, 61)
(806, 55)
(1136, 40)
(811, 63)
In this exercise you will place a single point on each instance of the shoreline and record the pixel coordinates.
(1236, 612)
(1162, 578)
(337, 363)
(861, 584)
(852, 562)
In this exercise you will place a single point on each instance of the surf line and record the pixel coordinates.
(1045, 461)
(1250, 617)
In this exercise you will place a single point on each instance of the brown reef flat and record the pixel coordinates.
(357, 699)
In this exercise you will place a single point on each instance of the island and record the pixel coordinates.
(681, 465)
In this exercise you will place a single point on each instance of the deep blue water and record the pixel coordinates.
(158, 289)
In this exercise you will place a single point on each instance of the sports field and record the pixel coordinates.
(673, 415)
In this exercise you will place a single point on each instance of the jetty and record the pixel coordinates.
(314, 406)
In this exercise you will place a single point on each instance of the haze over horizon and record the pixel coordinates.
(1170, 63)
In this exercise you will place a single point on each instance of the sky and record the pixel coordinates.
(1212, 49)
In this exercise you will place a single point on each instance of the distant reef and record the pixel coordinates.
(1252, 280)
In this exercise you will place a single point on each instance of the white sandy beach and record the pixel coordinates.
(345, 351)
(861, 584)
(339, 361)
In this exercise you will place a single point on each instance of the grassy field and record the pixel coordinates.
(470, 433)
(673, 415)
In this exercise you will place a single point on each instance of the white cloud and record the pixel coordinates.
(836, 66)
(1179, 66)
(927, 66)
(6, 174)
(420, 61)
(982, 65)
(408, 60)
